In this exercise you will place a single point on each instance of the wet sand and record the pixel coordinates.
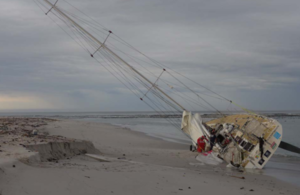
(131, 163)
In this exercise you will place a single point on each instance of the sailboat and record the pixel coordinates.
(240, 144)
(242, 138)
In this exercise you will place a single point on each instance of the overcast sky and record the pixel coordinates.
(248, 51)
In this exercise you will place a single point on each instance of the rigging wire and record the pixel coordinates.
(155, 62)
(190, 89)
(89, 44)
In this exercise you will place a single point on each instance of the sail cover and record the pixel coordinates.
(192, 126)
(186, 121)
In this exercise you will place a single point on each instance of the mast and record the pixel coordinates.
(53, 6)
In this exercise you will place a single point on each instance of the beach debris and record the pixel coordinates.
(251, 190)
(241, 188)
(3, 128)
(34, 132)
(14, 166)
(51, 159)
(238, 177)
(180, 189)
(28, 133)
(98, 157)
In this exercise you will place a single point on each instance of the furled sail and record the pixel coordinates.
(192, 125)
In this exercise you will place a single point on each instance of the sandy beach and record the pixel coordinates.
(122, 161)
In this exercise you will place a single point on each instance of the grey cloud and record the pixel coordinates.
(246, 50)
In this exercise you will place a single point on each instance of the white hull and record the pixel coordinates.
(243, 150)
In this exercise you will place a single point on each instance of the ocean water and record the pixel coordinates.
(283, 165)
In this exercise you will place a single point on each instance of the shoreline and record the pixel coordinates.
(138, 164)
(267, 171)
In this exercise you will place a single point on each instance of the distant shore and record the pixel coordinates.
(125, 115)
(131, 163)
